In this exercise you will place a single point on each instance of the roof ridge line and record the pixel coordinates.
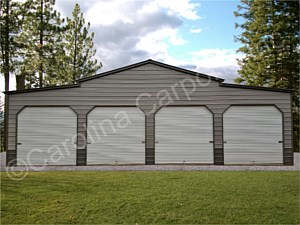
(131, 66)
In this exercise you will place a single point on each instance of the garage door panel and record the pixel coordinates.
(253, 135)
(183, 158)
(255, 149)
(257, 129)
(190, 145)
(119, 132)
(181, 145)
(255, 132)
(254, 158)
(107, 157)
(43, 158)
(107, 147)
(183, 134)
(115, 141)
(186, 124)
(45, 135)
(251, 141)
(120, 135)
(106, 151)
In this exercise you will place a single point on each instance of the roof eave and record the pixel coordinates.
(41, 89)
(255, 87)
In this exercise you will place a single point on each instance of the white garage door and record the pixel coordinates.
(116, 135)
(46, 136)
(184, 135)
(253, 134)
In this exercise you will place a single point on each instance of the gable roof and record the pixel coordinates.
(149, 61)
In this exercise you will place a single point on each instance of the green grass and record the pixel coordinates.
(151, 197)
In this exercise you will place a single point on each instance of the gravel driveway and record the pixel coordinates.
(296, 167)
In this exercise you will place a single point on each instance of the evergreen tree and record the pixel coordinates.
(79, 48)
(10, 25)
(5, 40)
(270, 39)
(10, 20)
(39, 49)
(41, 39)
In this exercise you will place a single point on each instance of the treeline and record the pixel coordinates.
(40, 48)
(270, 39)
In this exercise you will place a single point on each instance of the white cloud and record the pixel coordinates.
(216, 62)
(142, 28)
(177, 40)
(136, 30)
(183, 8)
(153, 42)
(195, 31)
(229, 73)
(108, 12)
(215, 57)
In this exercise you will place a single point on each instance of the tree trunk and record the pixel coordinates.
(6, 71)
(75, 54)
(20, 82)
(41, 66)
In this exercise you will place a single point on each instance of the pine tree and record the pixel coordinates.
(5, 40)
(270, 39)
(6, 45)
(41, 38)
(9, 28)
(10, 24)
(79, 48)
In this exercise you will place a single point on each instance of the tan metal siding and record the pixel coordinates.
(124, 87)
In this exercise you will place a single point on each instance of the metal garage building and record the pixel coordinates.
(150, 113)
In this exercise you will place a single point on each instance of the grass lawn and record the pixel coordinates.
(151, 197)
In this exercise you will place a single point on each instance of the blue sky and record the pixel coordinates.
(196, 35)
(216, 26)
